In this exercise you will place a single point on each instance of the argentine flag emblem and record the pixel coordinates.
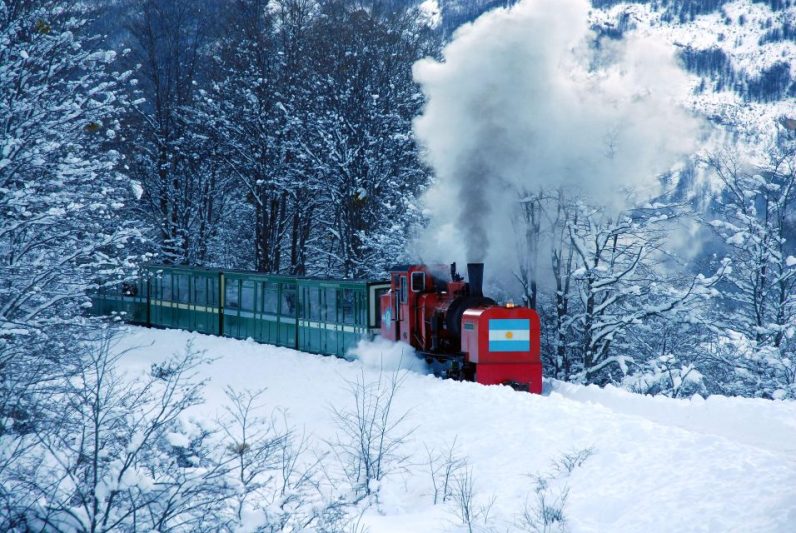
(509, 335)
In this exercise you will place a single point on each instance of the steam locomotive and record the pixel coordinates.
(459, 332)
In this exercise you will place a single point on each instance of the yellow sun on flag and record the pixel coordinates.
(509, 335)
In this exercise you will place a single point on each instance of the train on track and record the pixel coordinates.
(459, 332)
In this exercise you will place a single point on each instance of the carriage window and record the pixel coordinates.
(376, 304)
(288, 307)
(270, 298)
(331, 305)
(165, 284)
(231, 294)
(183, 294)
(247, 296)
(397, 311)
(418, 281)
(200, 291)
(348, 306)
(404, 292)
(314, 303)
(212, 295)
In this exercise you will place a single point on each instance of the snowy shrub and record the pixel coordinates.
(668, 376)
(544, 510)
(741, 367)
(545, 514)
(113, 454)
(276, 478)
(444, 466)
(371, 434)
(473, 515)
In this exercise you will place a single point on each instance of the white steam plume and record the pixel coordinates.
(525, 100)
(388, 356)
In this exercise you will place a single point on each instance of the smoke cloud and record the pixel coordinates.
(387, 356)
(525, 99)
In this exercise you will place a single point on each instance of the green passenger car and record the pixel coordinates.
(128, 301)
(184, 298)
(312, 315)
(261, 307)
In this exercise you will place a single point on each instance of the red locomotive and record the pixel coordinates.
(460, 333)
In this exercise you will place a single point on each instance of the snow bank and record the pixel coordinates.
(721, 464)
(769, 425)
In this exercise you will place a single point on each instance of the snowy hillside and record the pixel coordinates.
(740, 52)
(656, 464)
(626, 168)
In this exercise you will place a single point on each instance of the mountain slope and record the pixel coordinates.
(742, 53)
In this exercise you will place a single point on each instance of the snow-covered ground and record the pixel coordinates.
(715, 464)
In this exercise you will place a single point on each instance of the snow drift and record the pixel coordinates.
(657, 464)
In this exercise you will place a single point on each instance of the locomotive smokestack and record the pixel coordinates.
(475, 278)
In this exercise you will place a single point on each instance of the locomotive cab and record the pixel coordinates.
(449, 323)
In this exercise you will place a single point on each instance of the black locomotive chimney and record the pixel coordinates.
(475, 279)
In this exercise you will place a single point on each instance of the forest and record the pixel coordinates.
(279, 136)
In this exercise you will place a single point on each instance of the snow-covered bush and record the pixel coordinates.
(668, 376)
(112, 454)
(371, 434)
(545, 508)
(741, 367)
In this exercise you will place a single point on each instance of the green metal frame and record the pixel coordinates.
(129, 301)
(261, 307)
(312, 315)
(333, 315)
(185, 298)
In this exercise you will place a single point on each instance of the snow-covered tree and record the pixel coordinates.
(311, 114)
(182, 185)
(608, 280)
(62, 199)
(364, 141)
(114, 455)
(61, 191)
(755, 218)
(251, 112)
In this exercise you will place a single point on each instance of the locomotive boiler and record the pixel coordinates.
(458, 331)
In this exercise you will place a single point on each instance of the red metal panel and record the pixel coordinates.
(470, 334)
(492, 368)
(525, 373)
(499, 312)
(388, 323)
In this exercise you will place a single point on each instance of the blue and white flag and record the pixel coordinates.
(509, 335)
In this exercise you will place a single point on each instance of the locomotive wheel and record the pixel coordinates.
(455, 372)
(522, 387)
